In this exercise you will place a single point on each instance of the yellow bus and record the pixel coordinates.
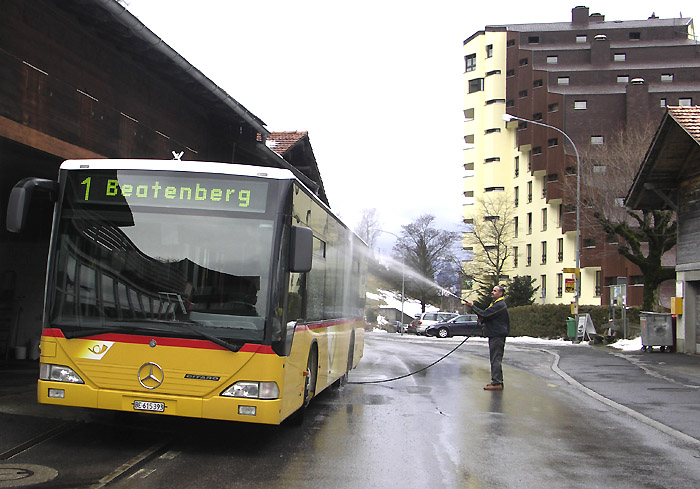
(194, 289)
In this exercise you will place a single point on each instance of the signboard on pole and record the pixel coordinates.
(570, 286)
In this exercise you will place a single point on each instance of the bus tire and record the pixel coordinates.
(297, 418)
(351, 357)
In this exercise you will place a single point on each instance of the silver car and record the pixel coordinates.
(428, 318)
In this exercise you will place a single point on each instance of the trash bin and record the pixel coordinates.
(571, 328)
(657, 330)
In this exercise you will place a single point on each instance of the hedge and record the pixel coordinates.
(549, 320)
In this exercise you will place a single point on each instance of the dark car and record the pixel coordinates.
(464, 325)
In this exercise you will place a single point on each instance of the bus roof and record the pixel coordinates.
(176, 165)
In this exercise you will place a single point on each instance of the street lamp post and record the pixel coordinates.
(507, 118)
(403, 275)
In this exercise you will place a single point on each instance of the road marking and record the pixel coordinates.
(130, 464)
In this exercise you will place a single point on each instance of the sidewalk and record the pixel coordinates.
(663, 387)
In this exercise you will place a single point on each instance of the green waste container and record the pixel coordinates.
(571, 328)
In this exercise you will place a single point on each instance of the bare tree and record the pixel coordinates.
(426, 251)
(369, 227)
(491, 237)
(607, 172)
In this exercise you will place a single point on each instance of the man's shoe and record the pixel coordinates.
(493, 387)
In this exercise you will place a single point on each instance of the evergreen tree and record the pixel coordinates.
(520, 291)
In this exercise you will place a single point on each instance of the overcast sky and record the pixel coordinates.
(378, 84)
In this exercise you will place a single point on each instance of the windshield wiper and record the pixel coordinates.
(78, 333)
(188, 325)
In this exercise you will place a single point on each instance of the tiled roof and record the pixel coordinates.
(688, 117)
(281, 142)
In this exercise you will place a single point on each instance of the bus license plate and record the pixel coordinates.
(149, 406)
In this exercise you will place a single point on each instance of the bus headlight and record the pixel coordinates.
(59, 373)
(253, 390)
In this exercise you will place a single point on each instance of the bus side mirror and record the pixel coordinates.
(301, 249)
(20, 198)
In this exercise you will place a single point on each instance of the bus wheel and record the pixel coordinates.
(351, 352)
(310, 375)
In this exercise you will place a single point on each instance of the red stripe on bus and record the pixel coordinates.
(163, 341)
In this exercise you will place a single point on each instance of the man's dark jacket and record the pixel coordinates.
(495, 319)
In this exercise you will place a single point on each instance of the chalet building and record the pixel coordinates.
(669, 179)
(589, 78)
(86, 79)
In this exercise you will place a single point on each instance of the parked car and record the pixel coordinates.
(464, 325)
(429, 318)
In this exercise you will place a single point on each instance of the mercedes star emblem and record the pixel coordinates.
(150, 375)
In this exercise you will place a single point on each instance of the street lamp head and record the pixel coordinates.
(507, 117)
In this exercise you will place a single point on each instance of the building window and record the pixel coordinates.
(489, 51)
(533, 40)
(492, 130)
(517, 166)
(537, 83)
(563, 80)
(522, 93)
(598, 285)
(510, 42)
(685, 101)
(589, 243)
(510, 103)
(470, 61)
(560, 218)
(597, 140)
(537, 116)
(522, 125)
(662, 102)
(515, 256)
(623, 78)
(544, 252)
(580, 104)
(529, 192)
(515, 202)
(543, 285)
(619, 57)
(523, 62)
(492, 159)
(476, 85)
(581, 38)
(635, 36)
(560, 284)
(544, 219)
(510, 72)
(493, 72)
(560, 248)
(553, 107)
(528, 249)
(551, 142)
(529, 223)
(667, 77)
(552, 60)
(537, 150)
(515, 227)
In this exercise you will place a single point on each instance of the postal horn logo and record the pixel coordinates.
(150, 375)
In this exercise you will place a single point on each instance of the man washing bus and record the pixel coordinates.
(496, 321)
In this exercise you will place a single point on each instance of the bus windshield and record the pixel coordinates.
(157, 251)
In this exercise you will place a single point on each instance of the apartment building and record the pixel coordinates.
(588, 77)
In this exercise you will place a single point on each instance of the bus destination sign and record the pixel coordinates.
(160, 189)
